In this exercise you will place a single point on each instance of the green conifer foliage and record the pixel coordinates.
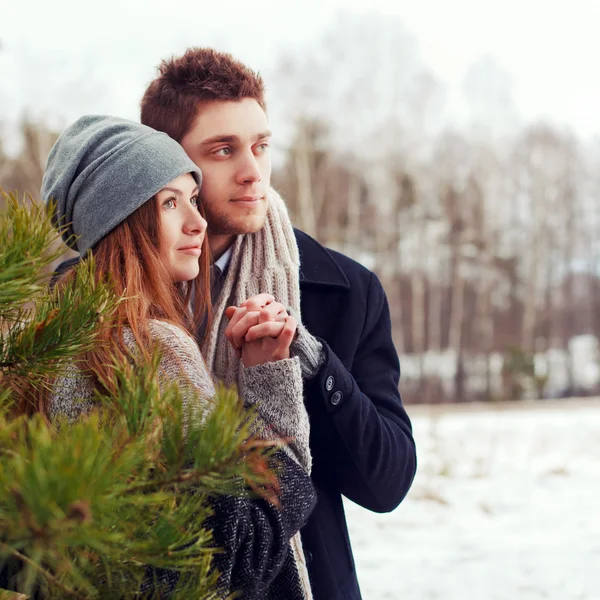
(86, 509)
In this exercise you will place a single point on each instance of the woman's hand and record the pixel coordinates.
(258, 310)
(260, 330)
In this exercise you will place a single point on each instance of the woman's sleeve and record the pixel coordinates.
(182, 362)
(71, 396)
(254, 534)
(276, 389)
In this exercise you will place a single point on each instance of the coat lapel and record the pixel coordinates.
(317, 265)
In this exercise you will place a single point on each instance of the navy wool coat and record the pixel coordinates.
(361, 437)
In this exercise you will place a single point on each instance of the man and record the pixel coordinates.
(361, 438)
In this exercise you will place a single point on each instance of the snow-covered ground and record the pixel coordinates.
(505, 506)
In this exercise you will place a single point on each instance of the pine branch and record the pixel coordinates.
(89, 507)
(61, 326)
(6, 595)
(29, 243)
(47, 575)
(214, 451)
(96, 487)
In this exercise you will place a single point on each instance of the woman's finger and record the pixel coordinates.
(237, 315)
(271, 329)
(239, 330)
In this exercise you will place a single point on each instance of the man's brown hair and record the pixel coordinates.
(171, 101)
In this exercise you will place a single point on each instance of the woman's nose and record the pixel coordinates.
(195, 222)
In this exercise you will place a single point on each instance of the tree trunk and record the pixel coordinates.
(455, 338)
(302, 166)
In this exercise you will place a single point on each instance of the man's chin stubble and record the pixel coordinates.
(231, 228)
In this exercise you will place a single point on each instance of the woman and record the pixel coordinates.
(130, 195)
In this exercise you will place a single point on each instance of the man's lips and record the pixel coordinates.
(247, 199)
(191, 250)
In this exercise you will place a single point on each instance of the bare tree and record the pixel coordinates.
(476, 235)
(24, 172)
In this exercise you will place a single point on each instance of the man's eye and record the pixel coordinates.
(223, 151)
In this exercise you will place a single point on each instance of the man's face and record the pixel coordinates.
(229, 141)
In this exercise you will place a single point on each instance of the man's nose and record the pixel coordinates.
(249, 171)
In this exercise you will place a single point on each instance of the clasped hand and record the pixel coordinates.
(260, 330)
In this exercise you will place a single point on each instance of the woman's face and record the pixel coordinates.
(182, 228)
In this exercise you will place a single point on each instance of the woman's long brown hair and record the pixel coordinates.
(129, 257)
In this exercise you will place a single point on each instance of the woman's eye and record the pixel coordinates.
(170, 203)
(194, 201)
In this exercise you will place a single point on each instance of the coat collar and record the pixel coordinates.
(317, 265)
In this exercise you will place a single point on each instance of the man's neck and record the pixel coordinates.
(219, 245)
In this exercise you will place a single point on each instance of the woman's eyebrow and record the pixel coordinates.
(178, 192)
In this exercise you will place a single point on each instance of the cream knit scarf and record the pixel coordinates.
(263, 262)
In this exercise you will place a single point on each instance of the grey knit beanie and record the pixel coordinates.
(102, 169)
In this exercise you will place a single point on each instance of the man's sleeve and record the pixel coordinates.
(361, 432)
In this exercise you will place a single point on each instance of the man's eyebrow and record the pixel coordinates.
(215, 139)
(266, 134)
(223, 139)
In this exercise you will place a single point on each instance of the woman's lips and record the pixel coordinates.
(191, 250)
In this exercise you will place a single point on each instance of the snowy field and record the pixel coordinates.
(505, 506)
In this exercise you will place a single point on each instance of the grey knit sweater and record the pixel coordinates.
(248, 564)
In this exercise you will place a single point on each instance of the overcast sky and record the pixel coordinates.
(65, 58)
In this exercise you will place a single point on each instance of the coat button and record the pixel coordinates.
(336, 398)
(329, 383)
